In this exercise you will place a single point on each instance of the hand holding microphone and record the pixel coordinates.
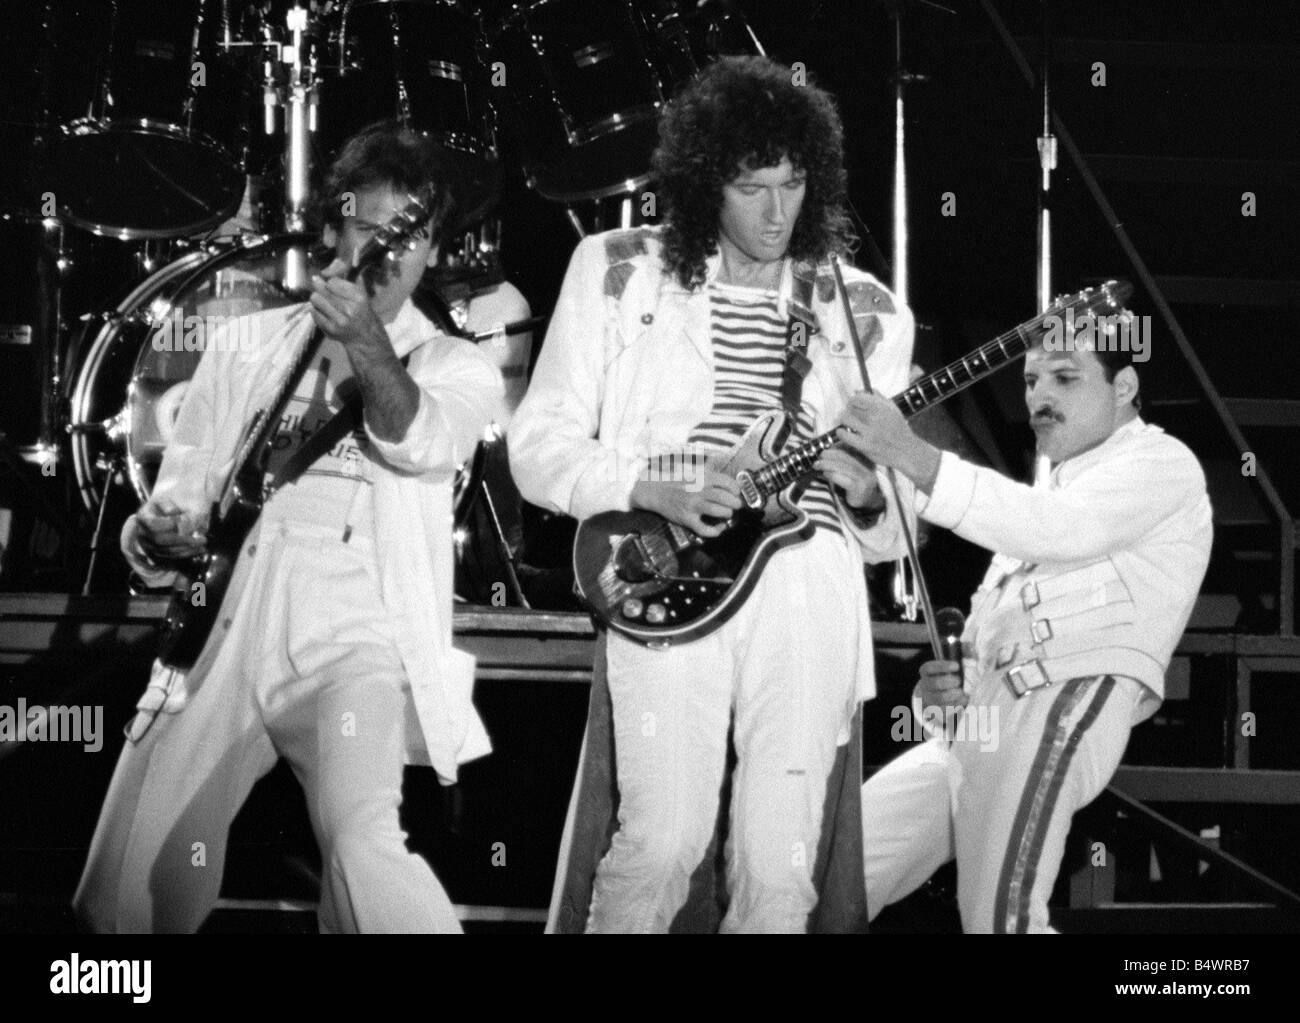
(940, 685)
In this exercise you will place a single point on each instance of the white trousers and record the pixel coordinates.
(1003, 808)
(785, 666)
(306, 669)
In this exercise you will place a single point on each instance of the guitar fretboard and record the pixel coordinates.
(944, 383)
(969, 369)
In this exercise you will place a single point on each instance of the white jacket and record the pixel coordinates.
(626, 372)
(1098, 564)
(460, 393)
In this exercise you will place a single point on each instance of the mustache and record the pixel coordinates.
(1046, 415)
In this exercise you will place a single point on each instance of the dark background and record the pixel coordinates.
(1199, 106)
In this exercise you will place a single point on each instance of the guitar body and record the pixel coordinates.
(659, 584)
(197, 594)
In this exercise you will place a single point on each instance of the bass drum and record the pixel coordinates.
(132, 373)
(134, 368)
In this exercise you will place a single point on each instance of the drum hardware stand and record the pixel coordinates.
(114, 470)
(50, 400)
(907, 577)
(507, 555)
(626, 213)
(1047, 163)
(576, 222)
(300, 100)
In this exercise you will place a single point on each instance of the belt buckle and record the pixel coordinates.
(1026, 677)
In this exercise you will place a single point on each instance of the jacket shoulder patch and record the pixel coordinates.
(616, 278)
(621, 246)
(864, 296)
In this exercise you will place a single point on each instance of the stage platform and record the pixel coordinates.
(1205, 775)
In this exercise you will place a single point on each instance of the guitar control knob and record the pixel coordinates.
(655, 614)
(632, 608)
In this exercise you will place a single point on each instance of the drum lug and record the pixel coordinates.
(115, 428)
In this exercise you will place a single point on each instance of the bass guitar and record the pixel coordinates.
(201, 585)
(659, 583)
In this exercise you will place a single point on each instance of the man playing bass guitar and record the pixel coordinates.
(665, 345)
(333, 644)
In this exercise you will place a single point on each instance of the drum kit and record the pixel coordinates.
(158, 155)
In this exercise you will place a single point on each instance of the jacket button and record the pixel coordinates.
(647, 318)
(252, 549)
(838, 346)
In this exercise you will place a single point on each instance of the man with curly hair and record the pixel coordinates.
(673, 340)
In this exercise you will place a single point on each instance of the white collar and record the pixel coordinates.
(409, 329)
(1075, 464)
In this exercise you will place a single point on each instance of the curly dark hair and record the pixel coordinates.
(747, 113)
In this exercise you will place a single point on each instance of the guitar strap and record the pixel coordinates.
(339, 425)
(801, 324)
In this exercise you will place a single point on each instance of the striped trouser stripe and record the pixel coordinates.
(1038, 801)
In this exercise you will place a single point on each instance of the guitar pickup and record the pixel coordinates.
(749, 490)
(632, 561)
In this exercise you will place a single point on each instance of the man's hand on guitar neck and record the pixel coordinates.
(703, 504)
(342, 309)
(874, 427)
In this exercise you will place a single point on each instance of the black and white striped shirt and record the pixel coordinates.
(748, 336)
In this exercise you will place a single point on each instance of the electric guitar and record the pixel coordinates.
(660, 583)
(201, 586)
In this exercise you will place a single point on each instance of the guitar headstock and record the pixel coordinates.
(1101, 299)
(400, 230)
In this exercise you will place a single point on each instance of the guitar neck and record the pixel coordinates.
(969, 369)
(929, 390)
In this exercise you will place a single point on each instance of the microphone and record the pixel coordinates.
(949, 623)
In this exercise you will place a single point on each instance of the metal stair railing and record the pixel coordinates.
(1286, 523)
